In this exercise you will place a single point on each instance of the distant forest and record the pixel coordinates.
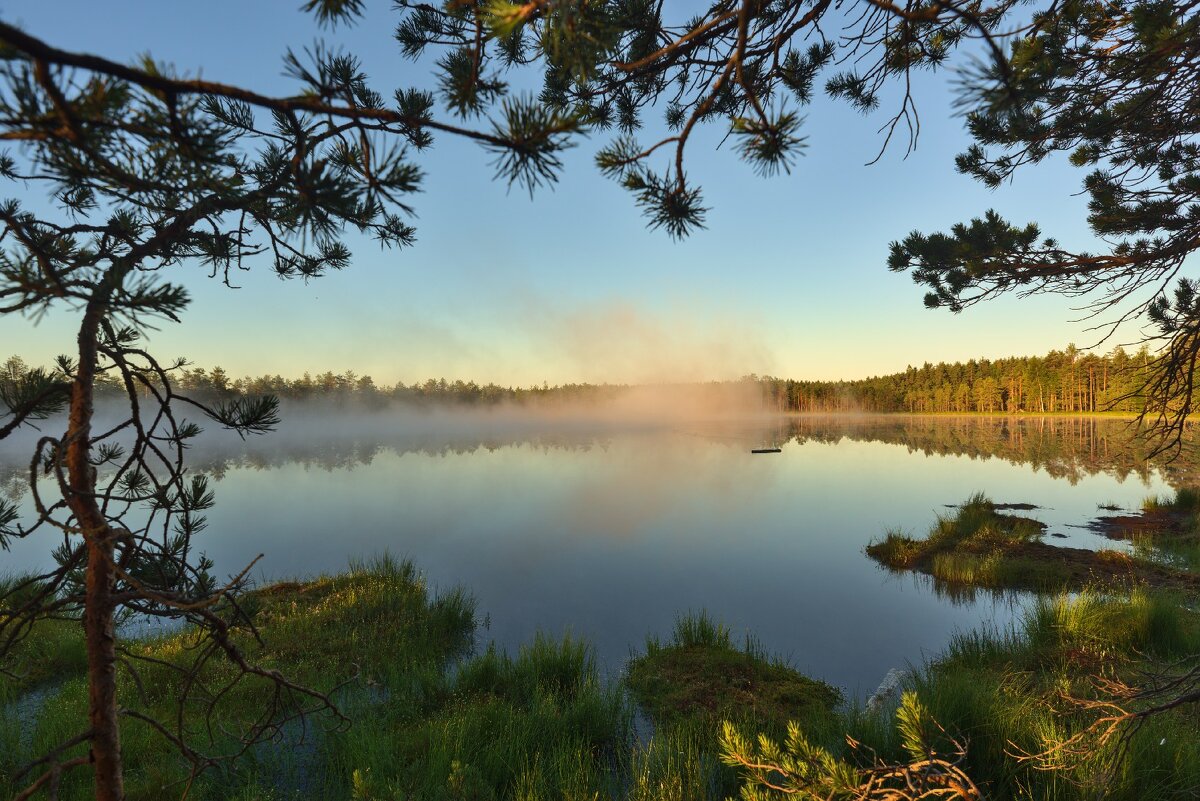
(1067, 380)
(1062, 381)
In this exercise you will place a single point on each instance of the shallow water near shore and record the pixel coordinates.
(611, 530)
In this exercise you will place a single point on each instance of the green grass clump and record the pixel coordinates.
(978, 525)
(1186, 501)
(428, 720)
(1178, 552)
(1005, 693)
(44, 655)
(995, 570)
(679, 763)
(49, 650)
(976, 528)
(540, 725)
(979, 547)
(1167, 532)
(897, 550)
(376, 626)
(974, 547)
(697, 630)
(1007, 696)
(1101, 628)
(432, 722)
(699, 674)
(694, 681)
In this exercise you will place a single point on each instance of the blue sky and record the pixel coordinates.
(789, 278)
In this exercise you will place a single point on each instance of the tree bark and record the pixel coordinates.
(99, 605)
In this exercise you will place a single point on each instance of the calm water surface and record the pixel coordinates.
(609, 531)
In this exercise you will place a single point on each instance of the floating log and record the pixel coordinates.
(766, 450)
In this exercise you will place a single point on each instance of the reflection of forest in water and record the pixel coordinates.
(1064, 447)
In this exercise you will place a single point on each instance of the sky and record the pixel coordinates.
(788, 279)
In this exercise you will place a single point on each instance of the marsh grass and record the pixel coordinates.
(897, 550)
(995, 570)
(540, 725)
(1106, 627)
(435, 722)
(55, 651)
(1007, 693)
(429, 721)
(1182, 553)
(1168, 531)
(979, 547)
(679, 763)
(696, 630)
(1004, 692)
(698, 678)
(1185, 501)
(700, 675)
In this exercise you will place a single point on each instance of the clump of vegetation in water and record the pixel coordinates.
(982, 547)
(690, 684)
(700, 674)
(1166, 531)
(1028, 693)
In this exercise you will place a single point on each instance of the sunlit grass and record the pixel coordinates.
(432, 722)
(1176, 552)
(695, 679)
(700, 674)
(376, 625)
(1186, 500)
(679, 763)
(1005, 691)
(429, 721)
(995, 570)
(979, 547)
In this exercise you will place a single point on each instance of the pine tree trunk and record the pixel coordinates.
(99, 605)
(102, 674)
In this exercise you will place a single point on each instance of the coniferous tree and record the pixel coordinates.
(1111, 87)
(154, 171)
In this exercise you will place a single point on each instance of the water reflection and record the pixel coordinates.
(611, 530)
(1065, 447)
(960, 594)
(1070, 448)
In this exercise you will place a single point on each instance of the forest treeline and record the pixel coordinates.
(1062, 381)
(1068, 380)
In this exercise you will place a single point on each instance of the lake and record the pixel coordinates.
(609, 529)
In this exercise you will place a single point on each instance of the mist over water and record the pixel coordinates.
(620, 340)
(610, 519)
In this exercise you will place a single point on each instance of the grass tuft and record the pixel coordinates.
(980, 547)
(700, 675)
